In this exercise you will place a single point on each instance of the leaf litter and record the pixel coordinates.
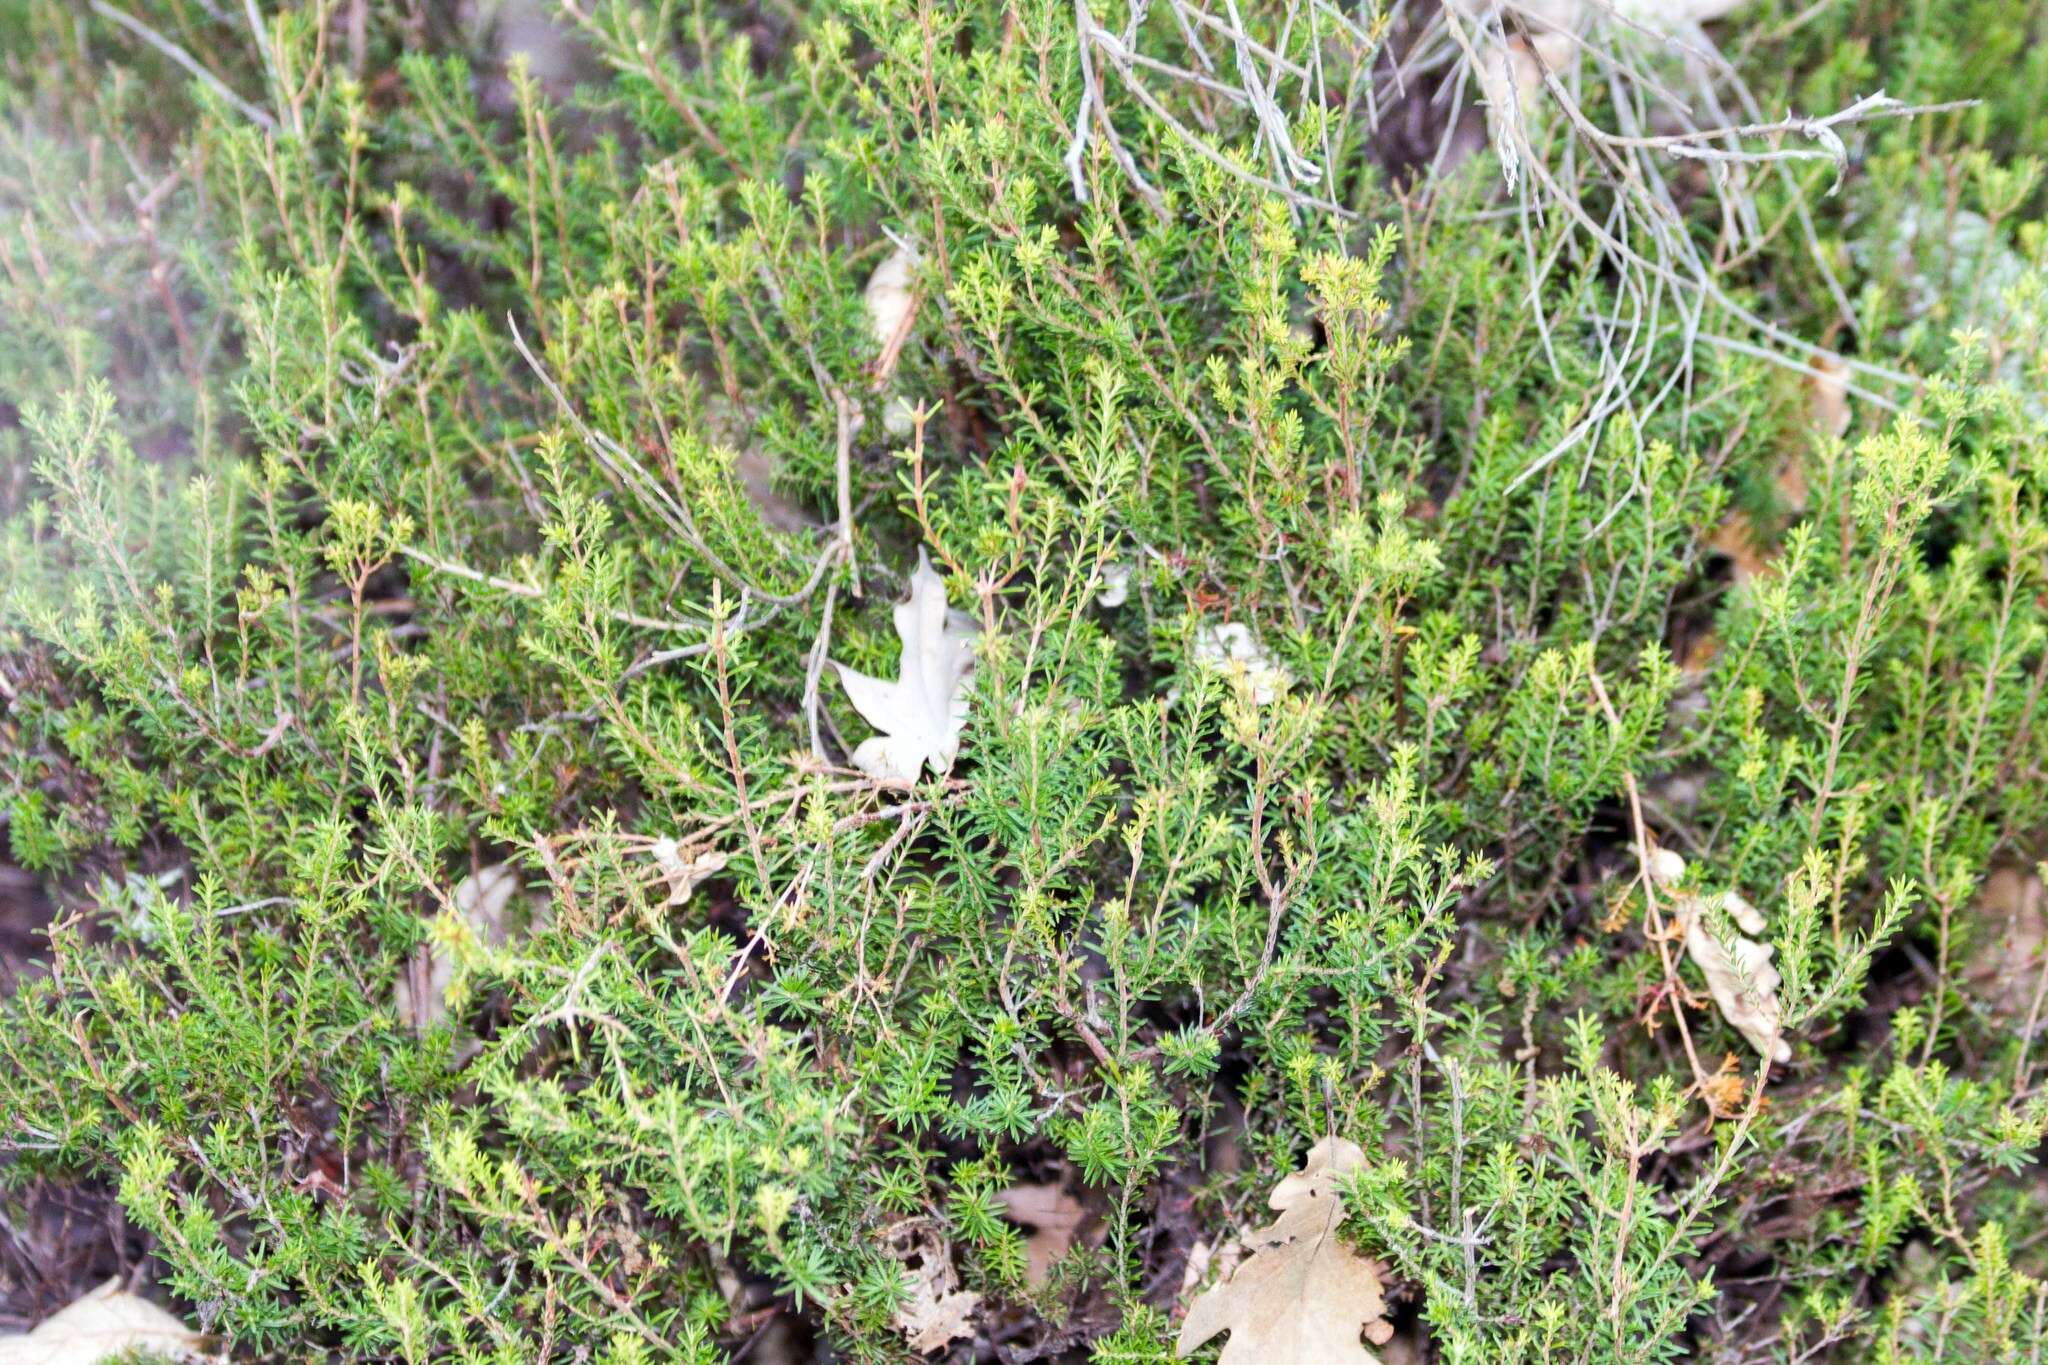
(1301, 1297)
(106, 1324)
(921, 713)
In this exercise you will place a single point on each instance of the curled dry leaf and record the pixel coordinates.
(2006, 966)
(1738, 969)
(1052, 1220)
(1512, 74)
(938, 1309)
(1231, 647)
(889, 300)
(684, 874)
(102, 1325)
(1675, 16)
(892, 311)
(1547, 35)
(1302, 1297)
(1827, 404)
(756, 475)
(1827, 396)
(1725, 1089)
(728, 427)
(1737, 538)
(484, 909)
(899, 416)
(922, 713)
(1116, 585)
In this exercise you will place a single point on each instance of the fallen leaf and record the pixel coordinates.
(1116, 585)
(756, 475)
(1515, 43)
(1404, 1350)
(1231, 647)
(1302, 1296)
(1665, 867)
(1514, 70)
(1700, 652)
(684, 874)
(1546, 36)
(899, 417)
(1201, 1257)
(2014, 908)
(1827, 394)
(101, 1326)
(1738, 969)
(1790, 482)
(1053, 1219)
(484, 910)
(938, 1309)
(892, 312)
(1827, 403)
(1672, 16)
(890, 298)
(922, 713)
(727, 427)
(1736, 538)
(1725, 1089)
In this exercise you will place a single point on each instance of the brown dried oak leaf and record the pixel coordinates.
(1302, 1297)
(937, 1310)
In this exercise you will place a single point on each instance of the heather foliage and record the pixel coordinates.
(419, 459)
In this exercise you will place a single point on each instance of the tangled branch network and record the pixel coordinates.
(1305, 79)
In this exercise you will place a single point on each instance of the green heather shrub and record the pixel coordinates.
(418, 457)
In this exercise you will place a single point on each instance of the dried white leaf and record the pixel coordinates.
(1303, 1295)
(899, 417)
(1738, 972)
(1231, 648)
(1547, 35)
(684, 874)
(938, 1309)
(922, 713)
(892, 310)
(1116, 585)
(889, 297)
(484, 911)
(1511, 73)
(1827, 393)
(1674, 16)
(727, 427)
(100, 1326)
(1665, 867)
(1738, 969)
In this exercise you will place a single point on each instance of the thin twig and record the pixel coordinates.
(533, 593)
(1652, 919)
(184, 59)
(629, 472)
